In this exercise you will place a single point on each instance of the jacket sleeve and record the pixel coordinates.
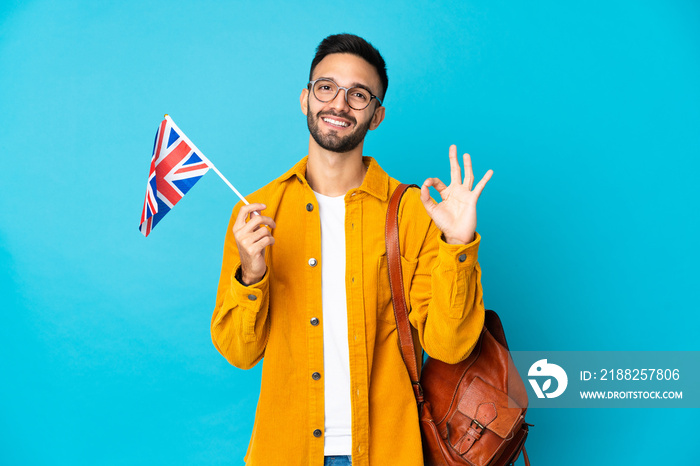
(446, 298)
(240, 326)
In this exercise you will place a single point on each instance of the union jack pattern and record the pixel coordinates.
(175, 168)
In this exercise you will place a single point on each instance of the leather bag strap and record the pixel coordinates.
(398, 295)
(493, 324)
(527, 460)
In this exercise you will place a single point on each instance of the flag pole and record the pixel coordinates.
(205, 159)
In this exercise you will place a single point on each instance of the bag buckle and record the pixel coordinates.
(478, 424)
(420, 388)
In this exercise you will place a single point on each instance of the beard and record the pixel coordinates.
(332, 141)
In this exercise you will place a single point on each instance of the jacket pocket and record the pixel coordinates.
(385, 308)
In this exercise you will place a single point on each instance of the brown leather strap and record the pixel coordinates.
(527, 460)
(398, 296)
(493, 324)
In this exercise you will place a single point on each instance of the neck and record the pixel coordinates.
(332, 173)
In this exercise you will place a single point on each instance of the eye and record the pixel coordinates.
(360, 95)
(325, 88)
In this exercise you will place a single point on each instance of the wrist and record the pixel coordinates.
(459, 240)
(247, 279)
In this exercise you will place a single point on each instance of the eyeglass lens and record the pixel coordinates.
(357, 98)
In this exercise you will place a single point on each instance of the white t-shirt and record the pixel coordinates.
(336, 358)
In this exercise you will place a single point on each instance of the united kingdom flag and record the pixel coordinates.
(175, 168)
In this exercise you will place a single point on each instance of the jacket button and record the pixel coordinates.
(313, 262)
(252, 297)
(315, 376)
(314, 321)
(317, 433)
(309, 207)
(462, 257)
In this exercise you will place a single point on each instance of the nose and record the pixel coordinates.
(340, 102)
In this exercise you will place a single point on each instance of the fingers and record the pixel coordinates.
(242, 224)
(425, 198)
(435, 183)
(455, 171)
(251, 249)
(468, 172)
(266, 241)
(480, 186)
(257, 240)
(255, 222)
(252, 242)
(243, 214)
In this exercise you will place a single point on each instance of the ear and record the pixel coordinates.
(377, 118)
(304, 101)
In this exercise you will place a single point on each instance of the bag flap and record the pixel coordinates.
(489, 406)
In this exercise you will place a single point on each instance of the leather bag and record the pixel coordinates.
(473, 412)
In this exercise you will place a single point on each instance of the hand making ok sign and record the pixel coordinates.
(455, 216)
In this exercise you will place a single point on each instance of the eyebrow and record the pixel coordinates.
(360, 85)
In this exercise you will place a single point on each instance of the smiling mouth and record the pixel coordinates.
(336, 123)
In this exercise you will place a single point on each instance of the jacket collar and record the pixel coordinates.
(376, 180)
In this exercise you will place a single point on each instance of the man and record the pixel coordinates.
(304, 282)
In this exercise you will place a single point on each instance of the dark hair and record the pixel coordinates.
(350, 43)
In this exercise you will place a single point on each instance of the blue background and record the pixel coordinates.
(588, 113)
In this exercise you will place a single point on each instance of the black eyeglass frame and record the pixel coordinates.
(346, 89)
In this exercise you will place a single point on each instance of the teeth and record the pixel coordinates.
(335, 122)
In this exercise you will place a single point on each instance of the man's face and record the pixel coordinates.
(334, 125)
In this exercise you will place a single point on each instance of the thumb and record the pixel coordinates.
(425, 198)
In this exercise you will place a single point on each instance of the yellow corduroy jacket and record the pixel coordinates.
(280, 320)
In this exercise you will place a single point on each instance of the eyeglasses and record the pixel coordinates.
(357, 98)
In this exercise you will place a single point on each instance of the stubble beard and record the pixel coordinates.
(332, 141)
